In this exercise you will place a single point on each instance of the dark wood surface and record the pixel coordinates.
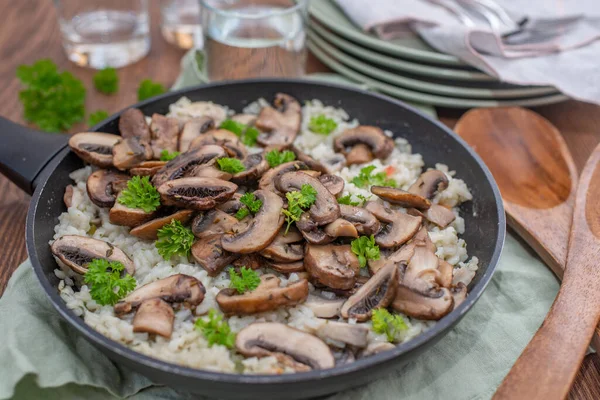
(30, 31)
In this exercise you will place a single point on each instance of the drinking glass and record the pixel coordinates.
(181, 23)
(104, 33)
(254, 38)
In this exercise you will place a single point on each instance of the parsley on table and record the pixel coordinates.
(96, 117)
(298, 202)
(321, 124)
(148, 89)
(247, 134)
(106, 81)
(174, 238)
(365, 249)
(165, 155)
(52, 100)
(231, 165)
(104, 279)
(384, 322)
(245, 281)
(366, 178)
(276, 157)
(140, 193)
(215, 330)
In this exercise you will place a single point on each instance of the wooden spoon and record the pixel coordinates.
(547, 367)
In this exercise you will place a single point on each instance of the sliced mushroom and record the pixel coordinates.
(246, 119)
(422, 237)
(445, 271)
(94, 147)
(363, 143)
(68, 196)
(459, 293)
(149, 230)
(376, 348)
(334, 266)
(179, 288)
(432, 305)
(267, 296)
(341, 228)
(198, 109)
(196, 193)
(209, 254)
(164, 132)
(252, 261)
(281, 124)
(193, 129)
(422, 270)
(286, 268)
(212, 222)
(429, 184)
(364, 221)
(154, 316)
(400, 258)
(378, 292)
(255, 165)
(267, 182)
(345, 357)
(261, 230)
(285, 247)
(232, 205)
(324, 308)
(333, 183)
(350, 334)
(211, 171)
(325, 208)
(224, 138)
(132, 123)
(147, 168)
(188, 163)
(401, 197)
(439, 215)
(262, 339)
(76, 252)
(399, 229)
(100, 187)
(310, 162)
(120, 214)
(130, 152)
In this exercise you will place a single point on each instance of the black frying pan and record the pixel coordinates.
(42, 162)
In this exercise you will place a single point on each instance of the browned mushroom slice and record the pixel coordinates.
(376, 348)
(94, 147)
(285, 247)
(100, 186)
(263, 339)
(333, 183)
(130, 152)
(267, 182)
(422, 270)
(232, 205)
(196, 193)
(261, 230)
(154, 316)
(246, 119)
(224, 138)
(209, 254)
(310, 162)
(429, 184)
(324, 308)
(179, 288)
(268, 296)
(286, 268)
(132, 123)
(432, 305)
(422, 238)
(76, 252)
(378, 292)
(252, 261)
(120, 214)
(401, 197)
(325, 208)
(147, 168)
(364, 221)
(439, 215)
(188, 163)
(212, 222)
(399, 229)
(281, 124)
(350, 334)
(255, 165)
(192, 129)
(149, 230)
(211, 171)
(362, 143)
(459, 293)
(164, 133)
(340, 228)
(68, 196)
(445, 272)
(331, 265)
(400, 258)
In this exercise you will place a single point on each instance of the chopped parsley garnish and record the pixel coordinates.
(242, 213)
(321, 124)
(276, 157)
(231, 165)
(165, 155)
(148, 89)
(251, 205)
(365, 249)
(215, 330)
(106, 81)
(247, 134)
(104, 279)
(347, 200)
(245, 281)
(140, 193)
(367, 178)
(233, 126)
(96, 117)
(52, 100)
(174, 238)
(250, 135)
(390, 324)
(298, 202)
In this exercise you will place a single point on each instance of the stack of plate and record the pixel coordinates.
(408, 68)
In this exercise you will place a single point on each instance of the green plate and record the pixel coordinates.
(414, 96)
(412, 47)
(427, 86)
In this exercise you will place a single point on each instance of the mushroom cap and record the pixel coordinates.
(187, 164)
(432, 305)
(309, 161)
(94, 147)
(379, 144)
(400, 226)
(132, 123)
(193, 129)
(255, 165)
(252, 261)
(262, 339)
(341, 228)
(147, 168)
(100, 186)
(212, 222)
(364, 221)
(285, 247)
(375, 348)
(439, 215)
(335, 266)
(351, 334)
(401, 197)
(267, 182)
(209, 254)
(164, 133)
(154, 316)
(78, 251)
(286, 267)
(149, 230)
(360, 153)
(422, 270)
(400, 258)
(445, 272)
(120, 214)
(281, 124)
(196, 193)
(224, 138)
(333, 183)
(429, 184)
(459, 293)
(324, 308)
(130, 152)
(261, 230)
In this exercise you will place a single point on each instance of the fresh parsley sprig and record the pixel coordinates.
(104, 279)
(251, 205)
(215, 330)
(347, 200)
(245, 281)
(140, 193)
(365, 249)
(165, 155)
(384, 322)
(276, 157)
(148, 89)
(96, 117)
(366, 178)
(298, 202)
(174, 238)
(247, 134)
(231, 165)
(321, 124)
(106, 81)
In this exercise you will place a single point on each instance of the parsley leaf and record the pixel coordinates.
(106, 80)
(215, 330)
(321, 124)
(233, 126)
(247, 134)
(297, 203)
(251, 205)
(53, 101)
(276, 157)
(365, 249)
(242, 213)
(166, 156)
(363, 199)
(231, 165)
(366, 178)
(174, 238)
(107, 286)
(250, 136)
(245, 281)
(347, 200)
(148, 89)
(140, 193)
(390, 324)
(96, 117)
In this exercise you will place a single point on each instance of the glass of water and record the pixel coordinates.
(181, 23)
(104, 33)
(254, 38)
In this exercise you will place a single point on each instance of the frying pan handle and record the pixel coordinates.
(25, 152)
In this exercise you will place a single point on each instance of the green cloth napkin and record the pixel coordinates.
(44, 358)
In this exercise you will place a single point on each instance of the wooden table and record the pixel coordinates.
(30, 31)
